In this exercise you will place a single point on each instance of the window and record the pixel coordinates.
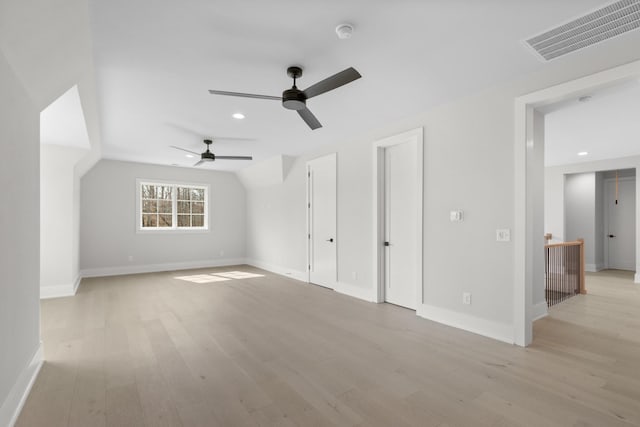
(170, 206)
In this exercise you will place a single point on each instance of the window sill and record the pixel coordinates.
(173, 231)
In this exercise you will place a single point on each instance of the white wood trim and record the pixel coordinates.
(277, 269)
(523, 221)
(365, 294)
(540, 310)
(477, 325)
(13, 404)
(154, 268)
(593, 268)
(58, 291)
(416, 135)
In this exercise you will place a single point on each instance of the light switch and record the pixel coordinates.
(503, 235)
(456, 216)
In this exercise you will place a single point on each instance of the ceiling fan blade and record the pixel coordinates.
(333, 82)
(309, 118)
(184, 149)
(199, 163)
(234, 157)
(245, 95)
(232, 138)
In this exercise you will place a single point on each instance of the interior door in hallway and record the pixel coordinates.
(621, 224)
(321, 196)
(400, 225)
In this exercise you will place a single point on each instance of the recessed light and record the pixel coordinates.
(238, 116)
(583, 153)
(189, 155)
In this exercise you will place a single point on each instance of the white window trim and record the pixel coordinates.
(175, 229)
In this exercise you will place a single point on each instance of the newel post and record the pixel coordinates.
(583, 289)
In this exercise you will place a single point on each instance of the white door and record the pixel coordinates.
(621, 231)
(321, 197)
(401, 233)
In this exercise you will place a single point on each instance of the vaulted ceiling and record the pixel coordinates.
(155, 61)
(143, 68)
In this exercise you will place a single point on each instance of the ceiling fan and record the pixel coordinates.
(208, 156)
(296, 99)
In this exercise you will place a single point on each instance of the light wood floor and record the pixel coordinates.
(152, 350)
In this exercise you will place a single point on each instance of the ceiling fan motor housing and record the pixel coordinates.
(208, 156)
(294, 99)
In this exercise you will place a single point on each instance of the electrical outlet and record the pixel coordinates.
(354, 275)
(466, 298)
(130, 258)
(503, 235)
(456, 216)
(221, 252)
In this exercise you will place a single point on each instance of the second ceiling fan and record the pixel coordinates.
(208, 156)
(296, 99)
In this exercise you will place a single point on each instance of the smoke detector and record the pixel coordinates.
(344, 31)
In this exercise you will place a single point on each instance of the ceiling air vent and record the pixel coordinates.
(608, 22)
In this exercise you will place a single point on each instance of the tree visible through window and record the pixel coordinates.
(190, 207)
(172, 206)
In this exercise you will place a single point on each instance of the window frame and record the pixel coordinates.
(174, 207)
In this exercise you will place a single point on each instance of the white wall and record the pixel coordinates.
(59, 220)
(580, 211)
(469, 165)
(554, 195)
(108, 233)
(19, 242)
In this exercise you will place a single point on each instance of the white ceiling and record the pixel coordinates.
(155, 61)
(62, 122)
(606, 127)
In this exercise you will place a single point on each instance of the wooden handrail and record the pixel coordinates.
(555, 245)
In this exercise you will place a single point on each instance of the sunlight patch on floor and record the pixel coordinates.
(239, 275)
(202, 278)
(218, 277)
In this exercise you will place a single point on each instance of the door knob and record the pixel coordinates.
(330, 240)
(387, 244)
(611, 236)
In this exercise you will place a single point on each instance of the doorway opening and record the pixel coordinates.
(530, 195)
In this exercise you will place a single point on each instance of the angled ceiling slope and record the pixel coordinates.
(63, 123)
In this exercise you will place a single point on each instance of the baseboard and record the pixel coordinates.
(11, 407)
(356, 291)
(155, 268)
(488, 328)
(593, 268)
(58, 291)
(283, 271)
(539, 311)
